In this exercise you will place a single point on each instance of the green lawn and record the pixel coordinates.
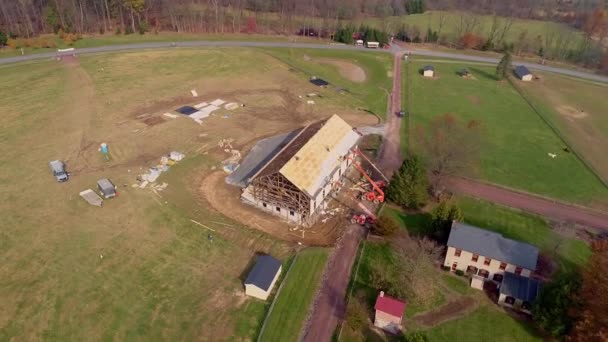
(292, 305)
(457, 284)
(515, 141)
(485, 324)
(369, 95)
(452, 19)
(521, 226)
(577, 108)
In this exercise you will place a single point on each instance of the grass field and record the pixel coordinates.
(138, 268)
(486, 324)
(452, 19)
(293, 302)
(577, 108)
(369, 95)
(515, 140)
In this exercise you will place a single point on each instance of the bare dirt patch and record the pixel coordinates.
(153, 121)
(571, 112)
(451, 310)
(348, 70)
(474, 99)
(225, 199)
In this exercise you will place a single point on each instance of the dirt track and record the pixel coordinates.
(528, 202)
(330, 303)
(390, 155)
(330, 306)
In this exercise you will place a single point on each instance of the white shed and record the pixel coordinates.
(428, 71)
(263, 276)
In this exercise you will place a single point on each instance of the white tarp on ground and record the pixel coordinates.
(218, 102)
(92, 197)
(231, 106)
(201, 105)
(203, 113)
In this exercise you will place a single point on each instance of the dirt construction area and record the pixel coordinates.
(150, 262)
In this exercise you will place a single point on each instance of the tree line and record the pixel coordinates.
(328, 18)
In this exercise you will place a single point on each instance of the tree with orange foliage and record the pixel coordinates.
(470, 40)
(592, 321)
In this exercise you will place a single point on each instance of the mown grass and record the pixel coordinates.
(577, 108)
(370, 95)
(136, 269)
(533, 28)
(515, 141)
(293, 302)
(485, 324)
(457, 284)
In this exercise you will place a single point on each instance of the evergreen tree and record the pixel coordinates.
(442, 217)
(503, 67)
(409, 186)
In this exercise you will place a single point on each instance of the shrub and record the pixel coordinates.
(12, 43)
(69, 39)
(385, 226)
(460, 273)
(61, 33)
(470, 40)
(442, 217)
(118, 31)
(128, 30)
(445, 268)
(143, 27)
(416, 336)
(3, 38)
(356, 314)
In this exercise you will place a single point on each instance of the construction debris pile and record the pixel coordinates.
(230, 164)
(154, 172)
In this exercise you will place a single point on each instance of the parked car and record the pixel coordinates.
(401, 113)
(58, 169)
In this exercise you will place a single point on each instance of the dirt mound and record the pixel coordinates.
(348, 70)
(225, 199)
(447, 312)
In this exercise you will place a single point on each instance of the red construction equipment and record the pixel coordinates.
(362, 219)
(376, 195)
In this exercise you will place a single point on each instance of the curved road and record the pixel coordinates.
(205, 43)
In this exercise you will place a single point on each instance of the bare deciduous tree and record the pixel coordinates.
(449, 146)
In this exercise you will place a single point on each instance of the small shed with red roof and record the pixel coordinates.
(389, 313)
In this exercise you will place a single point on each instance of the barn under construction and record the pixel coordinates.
(299, 170)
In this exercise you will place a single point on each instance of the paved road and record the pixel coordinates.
(203, 43)
(329, 307)
(527, 202)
